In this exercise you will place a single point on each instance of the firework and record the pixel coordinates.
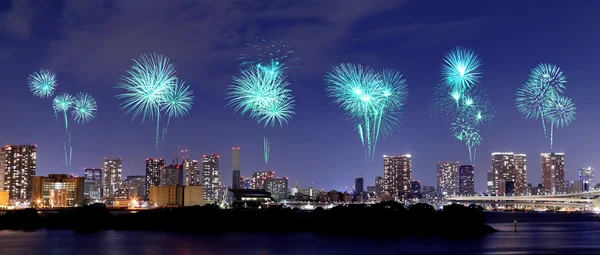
(266, 149)
(42, 84)
(151, 87)
(84, 108)
(271, 55)
(63, 103)
(461, 69)
(559, 111)
(262, 95)
(371, 99)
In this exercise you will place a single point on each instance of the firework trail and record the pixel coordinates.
(151, 87)
(267, 149)
(63, 103)
(261, 90)
(541, 97)
(459, 99)
(42, 84)
(370, 99)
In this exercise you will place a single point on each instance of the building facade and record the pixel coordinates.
(57, 190)
(153, 168)
(211, 178)
(92, 186)
(587, 178)
(171, 175)
(447, 178)
(113, 177)
(20, 163)
(490, 183)
(259, 178)
(161, 196)
(277, 187)
(359, 185)
(397, 173)
(379, 186)
(508, 166)
(191, 171)
(553, 172)
(193, 195)
(236, 177)
(135, 187)
(466, 180)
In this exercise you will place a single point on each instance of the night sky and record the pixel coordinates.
(90, 44)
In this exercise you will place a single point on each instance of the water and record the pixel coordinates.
(538, 233)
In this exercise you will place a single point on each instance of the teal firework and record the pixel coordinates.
(42, 84)
(559, 111)
(63, 103)
(84, 108)
(266, 149)
(178, 103)
(461, 69)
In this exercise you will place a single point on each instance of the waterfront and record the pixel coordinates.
(558, 233)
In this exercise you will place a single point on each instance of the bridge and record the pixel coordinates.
(589, 199)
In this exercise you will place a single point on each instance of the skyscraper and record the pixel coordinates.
(466, 180)
(490, 183)
(19, 169)
(236, 177)
(359, 185)
(259, 178)
(2, 168)
(553, 172)
(171, 175)
(135, 187)
(447, 178)
(509, 167)
(378, 186)
(153, 168)
(191, 170)
(211, 178)
(92, 184)
(113, 180)
(586, 176)
(397, 174)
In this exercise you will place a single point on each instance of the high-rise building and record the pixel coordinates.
(2, 168)
(236, 177)
(113, 179)
(171, 175)
(259, 178)
(359, 185)
(466, 180)
(415, 189)
(447, 178)
(508, 166)
(92, 185)
(191, 170)
(277, 187)
(490, 183)
(586, 176)
(57, 190)
(153, 168)
(135, 187)
(553, 172)
(378, 186)
(397, 174)
(19, 169)
(211, 178)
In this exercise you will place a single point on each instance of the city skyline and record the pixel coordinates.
(317, 132)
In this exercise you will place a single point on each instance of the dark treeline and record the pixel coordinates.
(385, 219)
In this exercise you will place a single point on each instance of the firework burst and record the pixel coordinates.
(42, 84)
(559, 111)
(461, 69)
(84, 108)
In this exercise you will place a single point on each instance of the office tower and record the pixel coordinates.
(2, 168)
(585, 176)
(135, 187)
(191, 170)
(57, 190)
(466, 180)
(277, 187)
(236, 177)
(19, 169)
(113, 179)
(397, 175)
(378, 186)
(447, 178)
(506, 187)
(171, 175)
(211, 178)
(553, 172)
(490, 183)
(259, 178)
(92, 185)
(508, 166)
(359, 185)
(153, 169)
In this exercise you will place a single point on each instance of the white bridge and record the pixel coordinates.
(589, 199)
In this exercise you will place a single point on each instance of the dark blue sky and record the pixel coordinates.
(90, 44)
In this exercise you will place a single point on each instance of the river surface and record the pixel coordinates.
(537, 233)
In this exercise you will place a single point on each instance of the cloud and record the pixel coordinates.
(17, 20)
(203, 38)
